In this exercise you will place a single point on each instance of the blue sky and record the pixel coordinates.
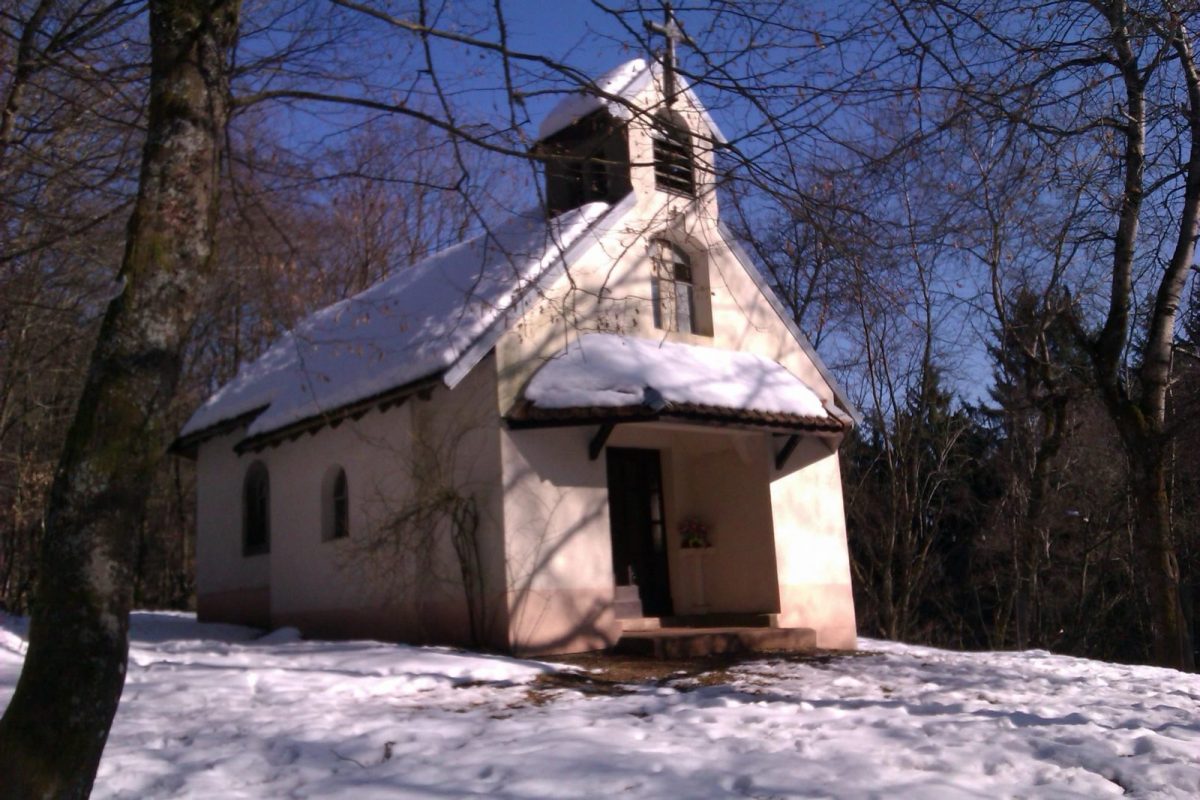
(583, 35)
(575, 33)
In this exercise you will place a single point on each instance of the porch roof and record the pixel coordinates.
(527, 415)
(607, 378)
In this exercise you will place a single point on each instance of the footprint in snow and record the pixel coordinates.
(742, 784)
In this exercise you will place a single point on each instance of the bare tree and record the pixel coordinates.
(1111, 91)
(1105, 94)
(54, 729)
(69, 133)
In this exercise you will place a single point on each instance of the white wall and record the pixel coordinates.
(810, 544)
(370, 583)
(560, 576)
(229, 586)
(726, 486)
(558, 534)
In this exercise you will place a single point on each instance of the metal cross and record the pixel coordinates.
(674, 34)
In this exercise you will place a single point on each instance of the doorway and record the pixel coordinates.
(639, 534)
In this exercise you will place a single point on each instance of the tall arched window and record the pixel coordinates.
(256, 510)
(672, 289)
(335, 504)
(674, 167)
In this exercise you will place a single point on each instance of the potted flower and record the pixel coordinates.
(693, 534)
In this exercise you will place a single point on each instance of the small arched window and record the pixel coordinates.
(335, 511)
(672, 289)
(674, 165)
(256, 510)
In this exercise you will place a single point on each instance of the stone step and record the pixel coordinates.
(679, 643)
(732, 619)
(726, 620)
(627, 604)
(640, 624)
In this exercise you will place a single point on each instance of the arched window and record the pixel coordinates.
(674, 167)
(256, 510)
(672, 289)
(335, 505)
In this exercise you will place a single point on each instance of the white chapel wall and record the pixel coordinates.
(723, 482)
(559, 553)
(810, 543)
(230, 587)
(349, 587)
(463, 428)
(312, 577)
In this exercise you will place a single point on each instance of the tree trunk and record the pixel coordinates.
(1172, 644)
(1140, 416)
(55, 728)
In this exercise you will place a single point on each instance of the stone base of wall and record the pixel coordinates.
(434, 623)
(236, 606)
(827, 608)
(544, 622)
(550, 622)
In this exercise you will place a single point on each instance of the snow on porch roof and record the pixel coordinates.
(415, 323)
(614, 91)
(610, 373)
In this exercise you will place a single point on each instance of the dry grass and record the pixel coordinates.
(608, 674)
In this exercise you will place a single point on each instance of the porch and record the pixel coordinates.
(690, 527)
(694, 543)
(678, 525)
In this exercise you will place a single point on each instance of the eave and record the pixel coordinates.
(526, 415)
(334, 417)
(188, 446)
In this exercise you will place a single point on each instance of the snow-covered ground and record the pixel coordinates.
(209, 711)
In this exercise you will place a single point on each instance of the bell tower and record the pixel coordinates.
(637, 126)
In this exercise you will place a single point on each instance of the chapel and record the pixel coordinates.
(592, 421)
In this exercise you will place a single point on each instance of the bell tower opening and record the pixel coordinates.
(674, 162)
(586, 162)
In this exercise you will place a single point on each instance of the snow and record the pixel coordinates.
(624, 81)
(615, 91)
(210, 712)
(604, 369)
(412, 324)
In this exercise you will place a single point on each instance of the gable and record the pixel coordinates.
(609, 289)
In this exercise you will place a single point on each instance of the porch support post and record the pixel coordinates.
(598, 441)
(788, 448)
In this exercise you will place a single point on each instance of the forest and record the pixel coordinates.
(983, 215)
(949, 271)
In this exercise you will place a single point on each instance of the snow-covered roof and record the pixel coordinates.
(848, 412)
(611, 371)
(415, 323)
(614, 91)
